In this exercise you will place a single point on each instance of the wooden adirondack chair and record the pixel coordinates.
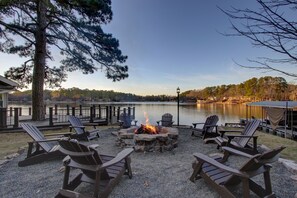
(207, 130)
(222, 178)
(101, 170)
(239, 141)
(166, 120)
(41, 149)
(125, 120)
(80, 129)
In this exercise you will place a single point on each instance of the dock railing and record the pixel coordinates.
(55, 115)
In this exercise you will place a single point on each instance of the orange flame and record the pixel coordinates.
(148, 127)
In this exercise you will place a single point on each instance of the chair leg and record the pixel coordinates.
(66, 177)
(196, 170)
(245, 187)
(128, 167)
(267, 182)
(97, 184)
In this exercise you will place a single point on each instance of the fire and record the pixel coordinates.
(147, 128)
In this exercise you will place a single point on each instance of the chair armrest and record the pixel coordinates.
(242, 136)
(196, 123)
(82, 127)
(205, 159)
(214, 125)
(223, 131)
(94, 146)
(47, 140)
(236, 152)
(119, 157)
(59, 134)
(91, 124)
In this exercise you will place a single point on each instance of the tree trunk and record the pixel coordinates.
(39, 63)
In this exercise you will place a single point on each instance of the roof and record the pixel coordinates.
(6, 84)
(275, 104)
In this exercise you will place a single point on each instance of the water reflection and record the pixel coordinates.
(195, 113)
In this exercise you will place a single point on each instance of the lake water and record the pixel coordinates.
(187, 113)
(194, 113)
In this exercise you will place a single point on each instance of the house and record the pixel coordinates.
(6, 86)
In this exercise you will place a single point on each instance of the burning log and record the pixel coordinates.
(147, 129)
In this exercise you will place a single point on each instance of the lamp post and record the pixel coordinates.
(178, 91)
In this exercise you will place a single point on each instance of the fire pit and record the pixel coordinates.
(148, 137)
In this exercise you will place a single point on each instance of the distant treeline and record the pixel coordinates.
(76, 94)
(264, 88)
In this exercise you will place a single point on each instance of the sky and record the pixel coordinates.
(170, 44)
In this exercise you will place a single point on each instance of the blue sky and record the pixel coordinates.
(171, 44)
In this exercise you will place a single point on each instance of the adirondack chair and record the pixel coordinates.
(126, 120)
(40, 149)
(239, 142)
(207, 130)
(166, 120)
(223, 178)
(80, 129)
(103, 171)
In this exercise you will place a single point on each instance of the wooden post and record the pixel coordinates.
(94, 111)
(110, 114)
(107, 117)
(80, 110)
(91, 115)
(16, 118)
(133, 112)
(125, 110)
(30, 111)
(3, 117)
(20, 111)
(100, 116)
(114, 110)
(129, 111)
(10, 111)
(67, 109)
(73, 111)
(51, 123)
(44, 109)
(118, 113)
(56, 109)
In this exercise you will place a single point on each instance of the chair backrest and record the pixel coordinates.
(211, 120)
(83, 155)
(126, 119)
(256, 162)
(166, 119)
(249, 129)
(37, 135)
(75, 121)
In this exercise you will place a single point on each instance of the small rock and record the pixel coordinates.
(3, 162)
(11, 156)
(294, 177)
(289, 164)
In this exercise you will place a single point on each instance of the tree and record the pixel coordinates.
(272, 26)
(33, 29)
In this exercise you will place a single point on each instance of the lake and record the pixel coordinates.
(195, 112)
(188, 113)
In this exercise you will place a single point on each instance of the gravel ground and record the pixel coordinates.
(154, 174)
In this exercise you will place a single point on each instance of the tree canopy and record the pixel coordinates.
(34, 29)
(264, 88)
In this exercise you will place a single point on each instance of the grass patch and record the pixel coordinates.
(272, 141)
(12, 142)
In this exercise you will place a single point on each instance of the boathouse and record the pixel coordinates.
(6, 86)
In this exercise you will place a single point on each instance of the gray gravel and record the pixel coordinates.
(154, 174)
